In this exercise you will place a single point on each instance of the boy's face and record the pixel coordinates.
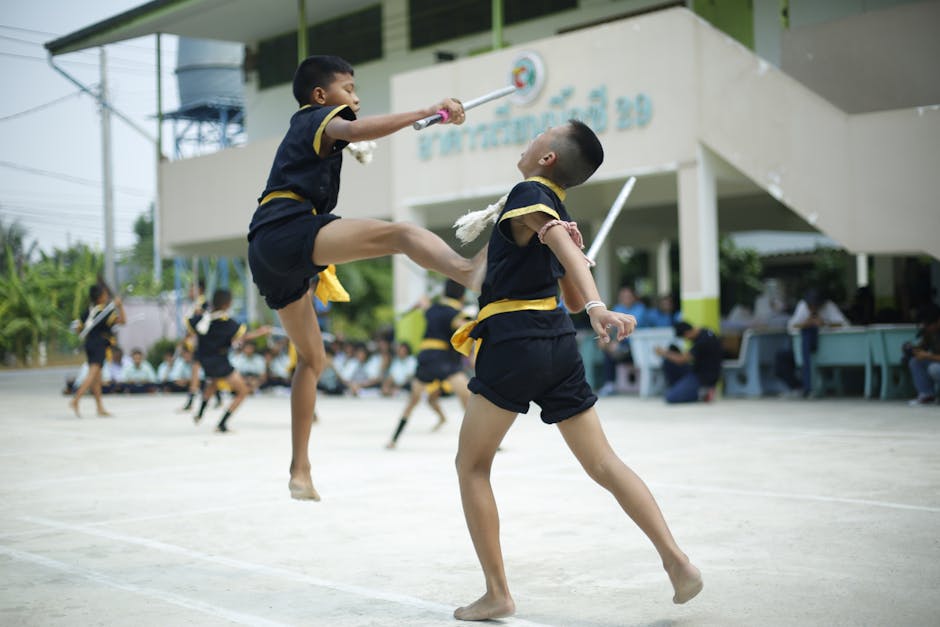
(539, 149)
(137, 357)
(342, 91)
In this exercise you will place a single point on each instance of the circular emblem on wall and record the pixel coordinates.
(528, 75)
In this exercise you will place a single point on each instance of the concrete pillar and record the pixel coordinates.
(663, 268)
(883, 281)
(861, 270)
(698, 241)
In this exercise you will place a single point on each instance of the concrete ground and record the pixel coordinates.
(798, 513)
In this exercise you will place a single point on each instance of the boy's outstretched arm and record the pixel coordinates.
(579, 282)
(376, 126)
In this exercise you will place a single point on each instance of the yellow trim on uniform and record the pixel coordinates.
(452, 302)
(550, 185)
(241, 331)
(432, 344)
(282, 193)
(326, 120)
(521, 211)
(435, 385)
(463, 343)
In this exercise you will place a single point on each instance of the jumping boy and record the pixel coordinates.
(439, 364)
(97, 323)
(294, 236)
(528, 353)
(215, 341)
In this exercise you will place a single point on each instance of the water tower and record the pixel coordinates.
(211, 114)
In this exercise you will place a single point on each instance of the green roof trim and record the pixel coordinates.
(83, 38)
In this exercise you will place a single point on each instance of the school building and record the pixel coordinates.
(740, 115)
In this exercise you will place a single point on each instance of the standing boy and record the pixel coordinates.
(529, 353)
(294, 236)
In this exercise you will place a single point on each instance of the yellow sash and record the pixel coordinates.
(463, 343)
(431, 344)
(328, 287)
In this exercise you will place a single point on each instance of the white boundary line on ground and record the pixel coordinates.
(798, 497)
(167, 597)
(260, 569)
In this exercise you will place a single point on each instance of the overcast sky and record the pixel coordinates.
(50, 159)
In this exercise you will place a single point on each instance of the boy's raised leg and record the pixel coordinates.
(300, 322)
(482, 430)
(353, 239)
(585, 437)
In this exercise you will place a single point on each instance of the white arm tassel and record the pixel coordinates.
(470, 225)
(362, 151)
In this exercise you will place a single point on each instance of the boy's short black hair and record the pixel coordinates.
(453, 289)
(95, 292)
(581, 154)
(681, 328)
(317, 71)
(221, 299)
(137, 351)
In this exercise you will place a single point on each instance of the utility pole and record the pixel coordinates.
(110, 274)
(155, 217)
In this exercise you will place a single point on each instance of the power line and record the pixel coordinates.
(45, 105)
(72, 179)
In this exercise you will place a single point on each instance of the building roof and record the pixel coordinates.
(244, 21)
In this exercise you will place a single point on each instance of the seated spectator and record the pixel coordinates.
(279, 365)
(692, 376)
(812, 313)
(361, 372)
(181, 372)
(924, 357)
(400, 371)
(112, 374)
(251, 366)
(139, 377)
(163, 370)
(664, 315)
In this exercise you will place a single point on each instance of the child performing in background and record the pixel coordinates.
(217, 332)
(438, 363)
(294, 236)
(97, 324)
(529, 353)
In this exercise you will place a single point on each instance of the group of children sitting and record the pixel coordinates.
(135, 375)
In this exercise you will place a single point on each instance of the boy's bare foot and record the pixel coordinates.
(686, 581)
(390, 445)
(74, 405)
(486, 607)
(103, 413)
(303, 490)
(440, 423)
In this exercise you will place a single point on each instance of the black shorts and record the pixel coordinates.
(96, 352)
(216, 366)
(547, 371)
(437, 365)
(280, 255)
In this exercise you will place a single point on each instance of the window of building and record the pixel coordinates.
(356, 37)
(433, 21)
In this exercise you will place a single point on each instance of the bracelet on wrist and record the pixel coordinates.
(591, 304)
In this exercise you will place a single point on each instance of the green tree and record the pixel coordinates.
(369, 282)
(740, 271)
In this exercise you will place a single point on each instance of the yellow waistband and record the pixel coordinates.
(282, 194)
(433, 345)
(461, 340)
